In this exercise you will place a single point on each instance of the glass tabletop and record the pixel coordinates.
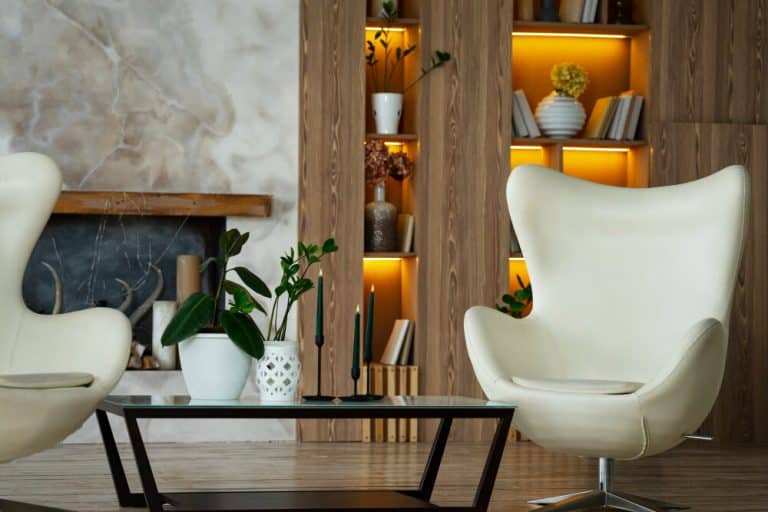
(253, 402)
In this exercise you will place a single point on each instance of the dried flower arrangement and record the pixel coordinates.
(569, 79)
(380, 163)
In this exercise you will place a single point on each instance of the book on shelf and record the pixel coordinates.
(405, 353)
(405, 232)
(615, 117)
(402, 389)
(589, 13)
(518, 125)
(367, 425)
(413, 390)
(396, 342)
(377, 378)
(570, 10)
(527, 114)
(390, 386)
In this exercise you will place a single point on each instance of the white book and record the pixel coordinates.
(634, 118)
(589, 12)
(396, 341)
(525, 109)
(405, 354)
(620, 118)
(517, 118)
(405, 232)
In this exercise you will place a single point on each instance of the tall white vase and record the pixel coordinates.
(387, 108)
(213, 367)
(162, 313)
(279, 371)
(560, 116)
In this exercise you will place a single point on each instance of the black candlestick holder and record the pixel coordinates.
(319, 397)
(356, 397)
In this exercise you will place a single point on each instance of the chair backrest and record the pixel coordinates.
(29, 187)
(618, 274)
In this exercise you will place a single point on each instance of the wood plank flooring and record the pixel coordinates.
(707, 478)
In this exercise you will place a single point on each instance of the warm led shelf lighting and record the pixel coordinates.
(527, 148)
(588, 148)
(516, 258)
(570, 34)
(390, 29)
(381, 258)
(389, 143)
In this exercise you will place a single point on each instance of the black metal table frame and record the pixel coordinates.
(348, 500)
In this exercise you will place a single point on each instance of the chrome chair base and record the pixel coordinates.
(604, 497)
(16, 506)
(614, 500)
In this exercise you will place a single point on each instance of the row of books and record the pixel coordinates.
(390, 380)
(523, 122)
(615, 117)
(400, 344)
(578, 11)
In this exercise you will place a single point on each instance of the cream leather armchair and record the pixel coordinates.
(623, 353)
(53, 369)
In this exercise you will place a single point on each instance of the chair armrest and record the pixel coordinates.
(96, 341)
(500, 346)
(680, 397)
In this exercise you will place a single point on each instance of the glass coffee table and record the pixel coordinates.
(444, 408)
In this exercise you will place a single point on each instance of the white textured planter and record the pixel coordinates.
(387, 107)
(560, 116)
(214, 368)
(279, 371)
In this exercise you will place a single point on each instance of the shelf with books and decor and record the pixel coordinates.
(390, 265)
(582, 29)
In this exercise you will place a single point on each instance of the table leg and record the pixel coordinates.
(125, 497)
(491, 468)
(153, 498)
(429, 476)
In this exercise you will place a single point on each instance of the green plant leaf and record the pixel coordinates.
(330, 246)
(193, 315)
(253, 282)
(244, 333)
(243, 300)
(238, 244)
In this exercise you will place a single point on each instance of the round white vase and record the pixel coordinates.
(278, 372)
(214, 368)
(560, 116)
(387, 108)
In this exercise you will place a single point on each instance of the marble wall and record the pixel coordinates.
(171, 95)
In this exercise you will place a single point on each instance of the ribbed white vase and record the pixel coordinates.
(560, 116)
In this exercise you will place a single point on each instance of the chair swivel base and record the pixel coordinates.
(16, 506)
(604, 497)
(615, 500)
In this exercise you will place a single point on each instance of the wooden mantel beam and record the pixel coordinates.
(153, 203)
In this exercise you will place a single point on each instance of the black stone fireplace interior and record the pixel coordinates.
(102, 260)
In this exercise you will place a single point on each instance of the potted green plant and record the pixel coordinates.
(217, 339)
(518, 304)
(387, 97)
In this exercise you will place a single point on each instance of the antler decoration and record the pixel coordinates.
(147, 304)
(58, 294)
(123, 308)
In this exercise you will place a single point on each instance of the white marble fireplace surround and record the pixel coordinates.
(172, 96)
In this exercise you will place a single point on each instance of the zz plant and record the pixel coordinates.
(203, 312)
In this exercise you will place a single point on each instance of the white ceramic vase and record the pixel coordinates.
(162, 314)
(214, 368)
(279, 371)
(387, 108)
(560, 116)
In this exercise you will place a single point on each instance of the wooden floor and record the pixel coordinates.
(706, 478)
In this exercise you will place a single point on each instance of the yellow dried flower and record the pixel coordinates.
(568, 78)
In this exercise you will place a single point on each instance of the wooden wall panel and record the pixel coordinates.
(462, 225)
(687, 151)
(331, 189)
(710, 61)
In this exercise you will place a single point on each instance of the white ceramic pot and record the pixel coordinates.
(560, 116)
(214, 368)
(279, 371)
(387, 107)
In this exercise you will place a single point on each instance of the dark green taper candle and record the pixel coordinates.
(356, 343)
(319, 317)
(369, 329)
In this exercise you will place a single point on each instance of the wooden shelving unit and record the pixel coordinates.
(617, 58)
(395, 273)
